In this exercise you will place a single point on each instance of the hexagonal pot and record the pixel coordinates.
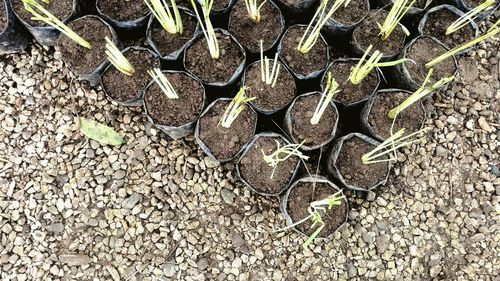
(134, 28)
(334, 26)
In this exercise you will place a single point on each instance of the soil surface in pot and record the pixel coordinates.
(423, 50)
(249, 33)
(3, 17)
(167, 43)
(437, 23)
(61, 9)
(349, 92)
(299, 63)
(121, 87)
(353, 170)
(199, 62)
(267, 97)
(302, 129)
(355, 11)
(367, 32)
(225, 143)
(220, 5)
(410, 119)
(80, 59)
(302, 195)
(257, 173)
(475, 3)
(175, 112)
(294, 2)
(123, 10)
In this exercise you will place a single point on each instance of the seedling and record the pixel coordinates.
(494, 30)
(168, 16)
(362, 69)
(117, 59)
(326, 98)
(470, 16)
(253, 9)
(41, 14)
(207, 27)
(390, 145)
(397, 12)
(234, 109)
(319, 19)
(282, 153)
(162, 81)
(421, 92)
(268, 76)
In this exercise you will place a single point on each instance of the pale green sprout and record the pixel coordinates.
(283, 153)
(470, 16)
(494, 30)
(319, 19)
(421, 92)
(162, 82)
(117, 59)
(41, 14)
(268, 76)
(236, 106)
(253, 9)
(207, 27)
(362, 68)
(168, 17)
(390, 145)
(397, 12)
(326, 97)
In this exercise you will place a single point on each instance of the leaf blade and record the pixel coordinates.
(100, 132)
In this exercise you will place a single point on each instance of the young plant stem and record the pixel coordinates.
(470, 16)
(117, 59)
(168, 17)
(397, 12)
(268, 76)
(162, 81)
(207, 27)
(283, 153)
(235, 107)
(253, 9)
(326, 98)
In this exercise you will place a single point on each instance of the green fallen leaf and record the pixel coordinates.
(100, 132)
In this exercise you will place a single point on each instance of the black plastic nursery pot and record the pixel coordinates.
(376, 122)
(298, 122)
(87, 64)
(220, 7)
(435, 22)
(367, 33)
(268, 99)
(256, 173)
(345, 19)
(420, 51)
(467, 5)
(249, 33)
(175, 117)
(128, 90)
(129, 18)
(295, 202)
(171, 46)
(221, 72)
(13, 37)
(303, 66)
(43, 33)
(224, 144)
(296, 8)
(419, 7)
(351, 94)
(345, 165)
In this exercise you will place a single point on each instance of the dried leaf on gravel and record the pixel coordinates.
(100, 132)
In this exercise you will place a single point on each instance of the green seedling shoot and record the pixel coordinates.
(236, 106)
(207, 27)
(470, 16)
(253, 9)
(162, 81)
(332, 88)
(269, 76)
(397, 12)
(168, 16)
(283, 153)
(117, 59)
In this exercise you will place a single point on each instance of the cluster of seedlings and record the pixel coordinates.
(275, 85)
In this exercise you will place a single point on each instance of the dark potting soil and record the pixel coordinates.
(249, 33)
(304, 64)
(306, 192)
(80, 59)
(410, 119)
(121, 87)
(220, 5)
(367, 32)
(302, 129)
(423, 50)
(355, 11)
(61, 9)
(352, 168)
(474, 3)
(294, 2)
(349, 92)
(175, 112)
(437, 23)
(3, 17)
(167, 43)
(256, 172)
(267, 97)
(225, 143)
(202, 65)
(123, 10)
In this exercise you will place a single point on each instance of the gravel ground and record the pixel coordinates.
(156, 209)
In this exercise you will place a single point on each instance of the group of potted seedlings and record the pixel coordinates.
(224, 88)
